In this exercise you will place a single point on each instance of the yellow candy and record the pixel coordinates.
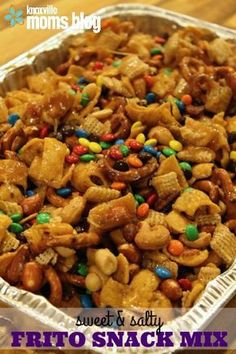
(141, 138)
(84, 142)
(151, 142)
(233, 155)
(95, 147)
(99, 80)
(175, 145)
(136, 125)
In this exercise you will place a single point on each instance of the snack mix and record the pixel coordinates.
(117, 170)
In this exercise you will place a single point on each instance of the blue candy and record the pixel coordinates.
(82, 80)
(181, 106)
(162, 272)
(29, 193)
(64, 192)
(86, 301)
(13, 118)
(119, 141)
(150, 149)
(150, 97)
(81, 133)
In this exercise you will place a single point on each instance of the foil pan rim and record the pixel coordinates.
(218, 292)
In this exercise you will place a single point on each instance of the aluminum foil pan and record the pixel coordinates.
(52, 52)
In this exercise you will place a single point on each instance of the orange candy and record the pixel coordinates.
(149, 80)
(175, 247)
(143, 210)
(187, 99)
(157, 57)
(134, 161)
(119, 186)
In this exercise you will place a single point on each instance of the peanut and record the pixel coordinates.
(131, 252)
(171, 289)
(129, 232)
(106, 261)
(32, 277)
(93, 282)
(32, 204)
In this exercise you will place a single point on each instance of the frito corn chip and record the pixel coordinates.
(171, 165)
(192, 200)
(101, 194)
(196, 154)
(176, 222)
(190, 297)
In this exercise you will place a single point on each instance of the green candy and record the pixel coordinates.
(1, 212)
(188, 189)
(84, 99)
(139, 198)
(191, 232)
(16, 217)
(72, 92)
(16, 228)
(124, 150)
(168, 152)
(87, 157)
(185, 166)
(82, 269)
(43, 218)
(167, 71)
(155, 51)
(104, 145)
(116, 63)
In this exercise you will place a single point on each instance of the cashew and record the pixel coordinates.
(203, 240)
(151, 237)
(189, 257)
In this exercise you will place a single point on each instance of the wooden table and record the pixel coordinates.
(16, 40)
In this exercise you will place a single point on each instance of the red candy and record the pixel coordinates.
(108, 137)
(71, 159)
(160, 40)
(185, 284)
(75, 87)
(151, 199)
(80, 150)
(149, 80)
(115, 153)
(44, 132)
(134, 145)
(98, 65)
